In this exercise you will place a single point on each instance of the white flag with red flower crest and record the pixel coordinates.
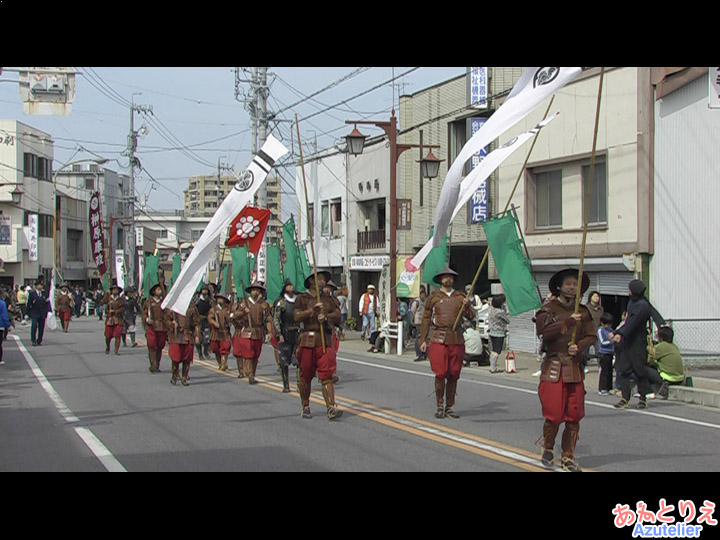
(248, 227)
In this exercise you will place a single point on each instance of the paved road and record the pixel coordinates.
(66, 406)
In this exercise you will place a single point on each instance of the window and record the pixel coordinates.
(336, 217)
(30, 162)
(45, 222)
(598, 199)
(73, 248)
(311, 219)
(548, 199)
(325, 218)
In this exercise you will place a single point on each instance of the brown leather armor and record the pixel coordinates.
(554, 323)
(254, 326)
(304, 313)
(183, 329)
(440, 313)
(219, 319)
(115, 309)
(64, 302)
(154, 311)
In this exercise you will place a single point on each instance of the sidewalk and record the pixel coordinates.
(705, 378)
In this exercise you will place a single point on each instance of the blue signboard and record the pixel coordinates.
(479, 200)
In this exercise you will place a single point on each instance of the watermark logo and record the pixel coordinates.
(684, 520)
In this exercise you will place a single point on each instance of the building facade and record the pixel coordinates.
(684, 276)
(26, 203)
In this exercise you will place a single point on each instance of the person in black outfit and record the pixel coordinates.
(203, 303)
(38, 308)
(631, 345)
(132, 310)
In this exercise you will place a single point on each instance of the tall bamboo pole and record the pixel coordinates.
(507, 205)
(310, 228)
(588, 197)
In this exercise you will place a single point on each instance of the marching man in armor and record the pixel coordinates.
(561, 390)
(314, 356)
(155, 327)
(115, 309)
(249, 316)
(447, 346)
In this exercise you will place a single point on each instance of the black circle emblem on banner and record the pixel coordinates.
(245, 181)
(545, 75)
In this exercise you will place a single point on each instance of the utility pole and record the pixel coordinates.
(130, 247)
(255, 102)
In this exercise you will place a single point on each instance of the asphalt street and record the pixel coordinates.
(67, 406)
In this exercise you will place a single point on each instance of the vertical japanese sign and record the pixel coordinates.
(477, 95)
(714, 90)
(5, 230)
(96, 233)
(33, 227)
(479, 200)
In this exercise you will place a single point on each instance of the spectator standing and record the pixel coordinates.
(596, 311)
(499, 318)
(5, 326)
(38, 308)
(343, 300)
(416, 315)
(78, 297)
(21, 296)
(368, 308)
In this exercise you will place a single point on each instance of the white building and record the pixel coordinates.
(326, 178)
(26, 203)
(685, 268)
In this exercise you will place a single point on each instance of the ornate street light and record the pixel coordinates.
(355, 142)
(17, 194)
(430, 165)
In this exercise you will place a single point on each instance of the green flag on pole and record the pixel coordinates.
(295, 266)
(225, 285)
(175, 268)
(436, 261)
(513, 267)
(243, 265)
(106, 281)
(150, 275)
(273, 272)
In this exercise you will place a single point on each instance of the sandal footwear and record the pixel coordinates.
(570, 465)
(548, 458)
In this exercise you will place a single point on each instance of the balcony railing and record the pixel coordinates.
(371, 240)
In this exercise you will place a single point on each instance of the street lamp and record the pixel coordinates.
(17, 194)
(355, 143)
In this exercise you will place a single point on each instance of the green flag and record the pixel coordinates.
(512, 265)
(175, 268)
(293, 268)
(106, 281)
(436, 260)
(273, 272)
(225, 281)
(150, 275)
(243, 264)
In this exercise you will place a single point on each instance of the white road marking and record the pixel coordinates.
(109, 461)
(534, 392)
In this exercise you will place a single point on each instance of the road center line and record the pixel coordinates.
(109, 461)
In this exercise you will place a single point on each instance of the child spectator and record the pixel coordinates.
(668, 368)
(605, 354)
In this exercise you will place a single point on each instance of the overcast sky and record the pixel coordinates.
(197, 120)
